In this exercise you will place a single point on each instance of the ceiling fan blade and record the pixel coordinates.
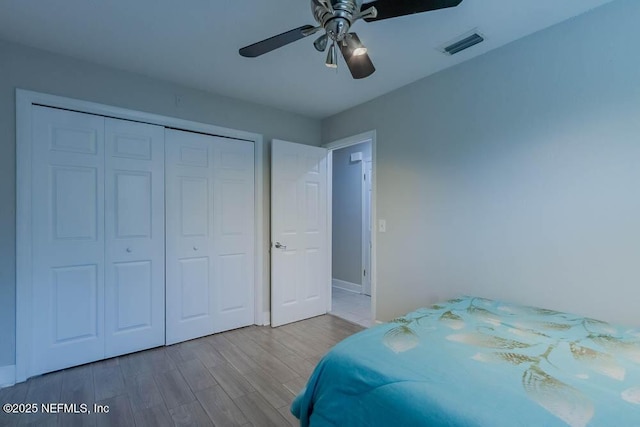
(359, 65)
(273, 43)
(394, 8)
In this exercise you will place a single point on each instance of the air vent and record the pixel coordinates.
(463, 44)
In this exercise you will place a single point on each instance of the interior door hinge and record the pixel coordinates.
(364, 272)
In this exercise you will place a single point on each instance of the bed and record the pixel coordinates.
(478, 362)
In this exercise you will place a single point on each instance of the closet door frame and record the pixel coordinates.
(24, 292)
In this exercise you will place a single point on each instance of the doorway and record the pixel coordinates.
(351, 212)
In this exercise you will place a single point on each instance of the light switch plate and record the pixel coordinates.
(382, 225)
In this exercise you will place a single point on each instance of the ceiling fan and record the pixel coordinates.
(337, 17)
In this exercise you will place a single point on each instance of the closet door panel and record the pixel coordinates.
(233, 218)
(210, 234)
(134, 227)
(68, 238)
(189, 212)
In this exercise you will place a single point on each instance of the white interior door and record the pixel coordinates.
(300, 276)
(134, 230)
(68, 239)
(210, 234)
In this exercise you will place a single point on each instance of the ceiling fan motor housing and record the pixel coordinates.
(338, 22)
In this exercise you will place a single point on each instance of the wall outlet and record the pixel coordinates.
(382, 225)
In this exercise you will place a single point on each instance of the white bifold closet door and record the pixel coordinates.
(97, 238)
(210, 234)
(67, 185)
(134, 234)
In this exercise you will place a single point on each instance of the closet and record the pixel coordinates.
(141, 236)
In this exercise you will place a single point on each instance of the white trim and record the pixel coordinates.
(7, 376)
(330, 227)
(126, 114)
(24, 100)
(374, 220)
(366, 211)
(352, 140)
(261, 242)
(363, 223)
(347, 142)
(346, 286)
(24, 356)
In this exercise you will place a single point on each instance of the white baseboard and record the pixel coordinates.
(346, 286)
(7, 375)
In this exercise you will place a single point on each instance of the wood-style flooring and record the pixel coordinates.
(245, 377)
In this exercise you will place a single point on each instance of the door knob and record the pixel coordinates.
(129, 250)
(195, 248)
(279, 245)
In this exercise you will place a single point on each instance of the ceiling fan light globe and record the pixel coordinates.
(332, 57)
(359, 51)
(321, 43)
(354, 45)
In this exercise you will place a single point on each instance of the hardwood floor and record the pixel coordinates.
(245, 377)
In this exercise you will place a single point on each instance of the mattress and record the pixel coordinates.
(478, 362)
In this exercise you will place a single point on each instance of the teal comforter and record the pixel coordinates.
(477, 362)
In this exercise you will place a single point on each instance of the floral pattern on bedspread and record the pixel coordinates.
(508, 334)
(581, 371)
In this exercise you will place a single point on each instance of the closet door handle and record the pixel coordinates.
(279, 245)
(195, 248)
(129, 250)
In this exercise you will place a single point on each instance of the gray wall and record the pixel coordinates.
(347, 213)
(27, 68)
(515, 175)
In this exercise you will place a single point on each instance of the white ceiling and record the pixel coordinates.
(196, 42)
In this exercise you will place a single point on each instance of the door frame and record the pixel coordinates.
(336, 145)
(366, 210)
(25, 99)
